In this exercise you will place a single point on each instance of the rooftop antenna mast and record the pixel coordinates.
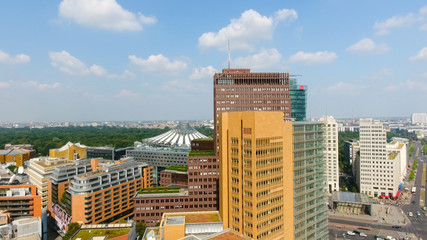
(228, 54)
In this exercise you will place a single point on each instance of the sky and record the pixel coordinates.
(115, 60)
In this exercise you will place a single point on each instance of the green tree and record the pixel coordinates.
(72, 228)
(12, 168)
(140, 228)
(411, 176)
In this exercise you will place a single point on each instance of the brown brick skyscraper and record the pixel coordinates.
(239, 90)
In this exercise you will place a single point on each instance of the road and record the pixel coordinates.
(418, 199)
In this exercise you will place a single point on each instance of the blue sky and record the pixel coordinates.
(106, 60)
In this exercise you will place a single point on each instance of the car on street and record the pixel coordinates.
(418, 213)
(396, 226)
(363, 234)
(351, 233)
(356, 231)
(378, 237)
(410, 214)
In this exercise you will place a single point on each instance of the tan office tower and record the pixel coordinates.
(256, 174)
(239, 90)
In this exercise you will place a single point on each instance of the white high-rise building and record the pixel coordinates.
(419, 118)
(381, 164)
(330, 136)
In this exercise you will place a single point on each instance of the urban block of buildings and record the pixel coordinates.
(93, 191)
(196, 188)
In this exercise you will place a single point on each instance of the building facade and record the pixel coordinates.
(380, 165)
(310, 210)
(256, 183)
(238, 90)
(104, 194)
(298, 95)
(331, 153)
(20, 200)
(40, 170)
(70, 151)
(201, 192)
(419, 118)
(16, 156)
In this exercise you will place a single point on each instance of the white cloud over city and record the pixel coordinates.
(264, 60)
(157, 63)
(104, 14)
(420, 56)
(71, 65)
(367, 45)
(313, 57)
(19, 58)
(248, 30)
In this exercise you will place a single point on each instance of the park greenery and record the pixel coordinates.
(50, 138)
(72, 228)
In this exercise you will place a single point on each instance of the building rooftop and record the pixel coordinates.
(177, 168)
(160, 190)
(194, 217)
(180, 136)
(227, 234)
(201, 153)
(350, 197)
(107, 233)
(392, 156)
(68, 145)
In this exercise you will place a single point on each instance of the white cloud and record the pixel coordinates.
(266, 59)
(313, 57)
(20, 58)
(384, 27)
(71, 65)
(29, 84)
(368, 45)
(41, 86)
(157, 63)
(98, 70)
(408, 84)
(244, 32)
(125, 93)
(285, 15)
(67, 63)
(347, 88)
(105, 14)
(203, 73)
(4, 84)
(422, 55)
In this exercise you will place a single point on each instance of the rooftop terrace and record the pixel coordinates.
(201, 153)
(159, 190)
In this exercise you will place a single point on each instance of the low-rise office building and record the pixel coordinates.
(101, 195)
(16, 156)
(110, 153)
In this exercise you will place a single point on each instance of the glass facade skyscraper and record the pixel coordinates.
(298, 95)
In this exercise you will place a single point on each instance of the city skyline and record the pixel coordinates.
(110, 60)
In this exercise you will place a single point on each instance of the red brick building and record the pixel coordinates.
(201, 193)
